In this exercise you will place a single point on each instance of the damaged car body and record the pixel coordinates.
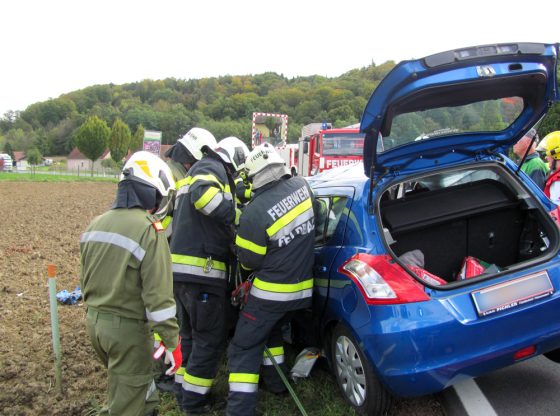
(437, 259)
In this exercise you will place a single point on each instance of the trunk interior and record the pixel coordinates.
(484, 219)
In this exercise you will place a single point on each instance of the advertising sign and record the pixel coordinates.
(152, 141)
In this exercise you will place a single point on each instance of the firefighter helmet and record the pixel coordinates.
(147, 168)
(552, 144)
(260, 157)
(196, 139)
(233, 151)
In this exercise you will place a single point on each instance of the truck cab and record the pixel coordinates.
(330, 148)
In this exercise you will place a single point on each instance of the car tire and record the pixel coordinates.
(553, 355)
(355, 377)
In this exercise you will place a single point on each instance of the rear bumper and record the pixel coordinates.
(422, 348)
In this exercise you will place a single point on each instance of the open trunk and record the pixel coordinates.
(483, 215)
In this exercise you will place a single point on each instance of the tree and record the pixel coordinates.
(9, 150)
(34, 158)
(119, 141)
(92, 138)
(138, 139)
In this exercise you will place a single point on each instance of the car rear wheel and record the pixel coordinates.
(354, 374)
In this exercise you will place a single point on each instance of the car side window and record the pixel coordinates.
(328, 211)
(321, 207)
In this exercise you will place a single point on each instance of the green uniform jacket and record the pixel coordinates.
(177, 170)
(126, 270)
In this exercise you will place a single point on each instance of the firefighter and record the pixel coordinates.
(533, 165)
(187, 155)
(181, 159)
(275, 241)
(201, 249)
(127, 285)
(552, 147)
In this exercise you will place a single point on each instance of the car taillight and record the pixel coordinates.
(382, 281)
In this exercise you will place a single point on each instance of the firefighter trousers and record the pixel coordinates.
(203, 332)
(255, 329)
(125, 348)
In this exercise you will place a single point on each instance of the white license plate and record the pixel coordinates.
(508, 295)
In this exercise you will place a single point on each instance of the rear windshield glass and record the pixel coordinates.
(343, 144)
(483, 116)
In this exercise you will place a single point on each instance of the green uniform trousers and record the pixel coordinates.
(125, 348)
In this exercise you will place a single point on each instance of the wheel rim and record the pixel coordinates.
(350, 371)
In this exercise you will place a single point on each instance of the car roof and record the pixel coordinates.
(341, 176)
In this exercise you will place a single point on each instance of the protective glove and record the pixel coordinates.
(175, 358)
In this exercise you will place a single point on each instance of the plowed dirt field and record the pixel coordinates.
(40, 224)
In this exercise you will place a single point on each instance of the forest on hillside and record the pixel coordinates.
(224, 105)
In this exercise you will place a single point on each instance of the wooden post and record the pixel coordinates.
(51, 271)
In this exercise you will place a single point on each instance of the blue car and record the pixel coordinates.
(437, 258)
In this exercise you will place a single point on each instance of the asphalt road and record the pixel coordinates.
(528, 388)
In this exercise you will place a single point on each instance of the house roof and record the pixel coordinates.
(19, 156)
(76, 154)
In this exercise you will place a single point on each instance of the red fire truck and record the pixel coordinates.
(327, 149)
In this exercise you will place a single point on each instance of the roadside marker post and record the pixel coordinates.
(51, 272)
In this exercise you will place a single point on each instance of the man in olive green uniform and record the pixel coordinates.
(127, 285)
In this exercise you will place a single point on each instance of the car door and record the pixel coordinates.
(332, 206)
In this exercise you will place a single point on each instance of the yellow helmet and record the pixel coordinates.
(552, 144)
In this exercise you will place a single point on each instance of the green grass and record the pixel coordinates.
(43, 177)
(319, 395)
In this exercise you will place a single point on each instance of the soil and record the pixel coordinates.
(41, 224)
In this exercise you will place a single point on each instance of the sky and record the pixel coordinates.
(52, 47)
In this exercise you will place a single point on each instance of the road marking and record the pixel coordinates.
(473, 399)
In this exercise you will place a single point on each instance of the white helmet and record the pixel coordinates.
(195, 139)
(147, 168)
(233, 151)
(260, 157)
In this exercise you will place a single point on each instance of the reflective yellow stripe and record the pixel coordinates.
(166, 221)
(209, 178)
(283, 287)
(197, 381)
(243, 378)
(157, 337)
(275, 351)
(197, 261)
(248, 192)
(182, 182)
(249, 245)
(289, 217)
(206, 197)
(181, 371)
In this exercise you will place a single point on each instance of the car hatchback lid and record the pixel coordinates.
(454, 105)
